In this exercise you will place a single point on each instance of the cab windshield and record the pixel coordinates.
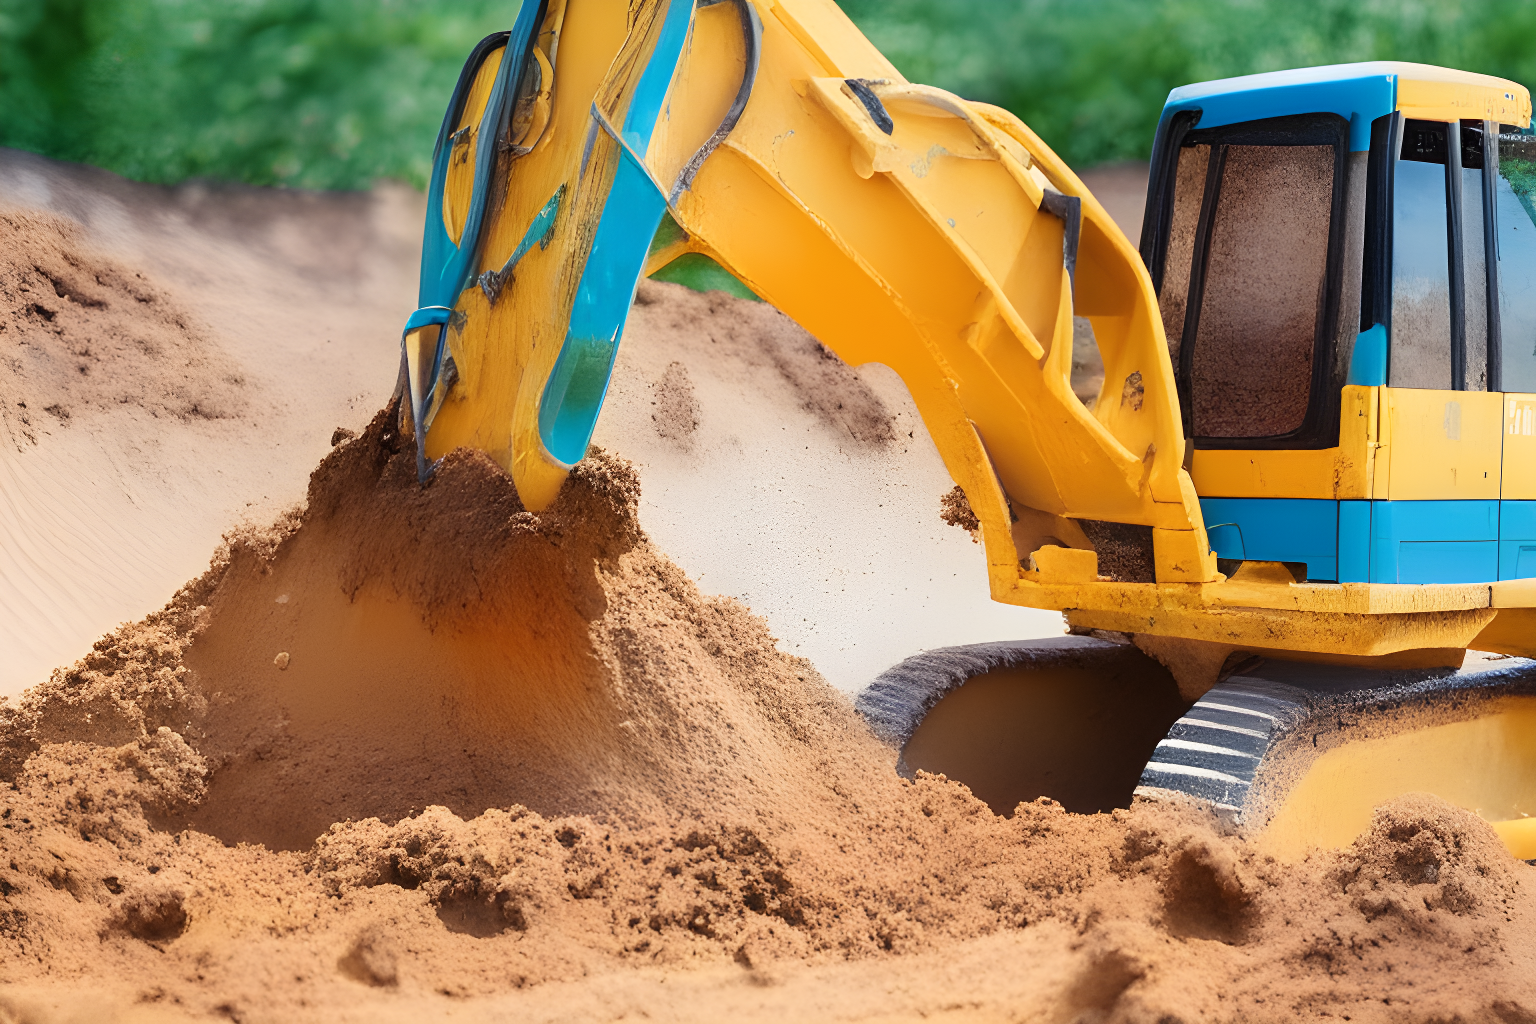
(1244, 291)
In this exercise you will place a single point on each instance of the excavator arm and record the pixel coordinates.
(898, 224)
(599, 141)
(902, 225)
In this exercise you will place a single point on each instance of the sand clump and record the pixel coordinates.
(512, 751)
(955, 509)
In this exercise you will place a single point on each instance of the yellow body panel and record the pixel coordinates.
(1486, 764)
(1395, 443)
(1430, 93)
(1519, 475)
(1439, 445)
(1513, 631)
(1519, 836)
(1333, 473)
(702, 91)
(461, 165)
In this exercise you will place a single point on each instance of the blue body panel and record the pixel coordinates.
(578, 383)
(1517, 540)
(1517, 560)
(1434, 541)
(1380, 541)
(1354, 541)
(1368, 361)
(1276, 530)
(1359, 93)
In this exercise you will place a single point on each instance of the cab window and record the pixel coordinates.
(1266, 265)
(1248, 256)
(1516, 186)
(1421, 260)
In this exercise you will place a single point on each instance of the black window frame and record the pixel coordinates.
(1376, 255)
(1320, 426)
(1491, 133)
(1387, 134)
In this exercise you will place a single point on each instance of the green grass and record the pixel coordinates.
(1521, 175)
(339, 93)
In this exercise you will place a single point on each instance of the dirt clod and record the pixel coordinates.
(154, 915)
(1204, 895)
(371, 959)
(955, 509)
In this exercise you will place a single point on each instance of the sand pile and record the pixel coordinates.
(183, 355)
(414, 751)
(79, 331)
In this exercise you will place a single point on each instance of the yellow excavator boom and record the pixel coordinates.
(898, 224)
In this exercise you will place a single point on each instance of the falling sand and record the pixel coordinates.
(414, 753)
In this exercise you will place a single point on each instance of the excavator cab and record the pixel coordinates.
(1342, 259)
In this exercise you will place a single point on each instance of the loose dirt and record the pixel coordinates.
(520, 764)
(414, 753)
(80, 331)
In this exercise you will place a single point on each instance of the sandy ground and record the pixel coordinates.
(406, 753)
(416, 753)
(302, 295)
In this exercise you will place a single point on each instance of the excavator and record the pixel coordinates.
(1303, 493)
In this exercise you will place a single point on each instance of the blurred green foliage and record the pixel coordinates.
(1521, 175)
(337, 93)
(1090, 76)
(314, 93)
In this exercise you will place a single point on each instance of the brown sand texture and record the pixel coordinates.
(172, 362)
(299, 298)
(409, 753)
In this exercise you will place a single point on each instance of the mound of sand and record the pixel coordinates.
(81, 331)
(415, 751)
(183, 355)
